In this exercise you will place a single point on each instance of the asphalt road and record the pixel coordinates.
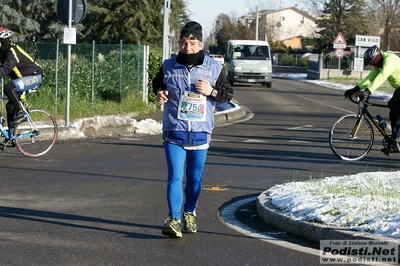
(102, 201)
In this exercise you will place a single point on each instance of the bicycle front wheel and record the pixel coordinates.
(36, 136)
(347, 146)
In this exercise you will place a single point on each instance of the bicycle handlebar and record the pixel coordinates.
(355, 101)
(365, 101)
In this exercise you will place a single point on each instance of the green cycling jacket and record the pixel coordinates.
(390, 71)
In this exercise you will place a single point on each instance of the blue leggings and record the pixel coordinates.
(176, 156)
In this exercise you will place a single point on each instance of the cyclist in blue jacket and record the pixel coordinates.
(25, 72)
(188, 85)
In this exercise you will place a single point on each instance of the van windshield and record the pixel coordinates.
(250, 52)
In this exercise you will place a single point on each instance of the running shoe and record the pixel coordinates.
(189, 223)
(172, 228)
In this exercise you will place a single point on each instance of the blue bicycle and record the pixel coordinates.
(34, 136)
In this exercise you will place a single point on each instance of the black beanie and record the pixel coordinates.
(192, 29)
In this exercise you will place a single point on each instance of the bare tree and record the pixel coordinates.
(386, 22)
(229, 28)
(345, 16)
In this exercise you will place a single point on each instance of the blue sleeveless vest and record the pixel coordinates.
(178, 78)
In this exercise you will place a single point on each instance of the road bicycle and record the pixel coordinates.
(35, 135)
(351, 137)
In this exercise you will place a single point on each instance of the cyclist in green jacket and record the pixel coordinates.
(386, 66)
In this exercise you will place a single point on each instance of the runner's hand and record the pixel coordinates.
(204, 87)
(162, 96)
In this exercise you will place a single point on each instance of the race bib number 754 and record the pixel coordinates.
(192, 106)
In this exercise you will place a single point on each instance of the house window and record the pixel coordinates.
(282, 22)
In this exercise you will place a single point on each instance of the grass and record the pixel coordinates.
(131, 104)
(371, 187)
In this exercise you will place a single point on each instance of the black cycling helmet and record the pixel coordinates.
(371, 54)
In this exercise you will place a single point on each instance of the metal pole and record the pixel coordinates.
(120, 70)
(93, 51)
(145, 74)
(138, 66)
(165, 34)
(166, 30)
(57, 50)
(257, 25)
(68, 67)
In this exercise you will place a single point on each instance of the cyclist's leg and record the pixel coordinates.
(10, 112)
(10, 90)
(394, 105)
(394, 117)
(23, 84)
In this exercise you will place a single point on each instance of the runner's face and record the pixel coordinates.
(190, 46)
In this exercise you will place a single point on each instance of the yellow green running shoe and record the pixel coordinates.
(189, 223)
(172, 228)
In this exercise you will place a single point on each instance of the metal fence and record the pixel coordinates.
(316, 61)
(283, 59)
(98, 71)
(330, 61)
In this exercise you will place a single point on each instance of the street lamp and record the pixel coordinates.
(257, 14)
(257, 24)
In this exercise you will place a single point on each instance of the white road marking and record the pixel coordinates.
(255, 141)
(306, 127)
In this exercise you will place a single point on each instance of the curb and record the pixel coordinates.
(239, 112)
(112, 126)
(308, 230)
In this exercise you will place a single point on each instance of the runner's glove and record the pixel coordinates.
(352, 91)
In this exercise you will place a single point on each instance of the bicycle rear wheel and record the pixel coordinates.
(346, 146)
(36, 137)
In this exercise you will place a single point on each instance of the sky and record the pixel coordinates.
(206, 11)
(375, 210)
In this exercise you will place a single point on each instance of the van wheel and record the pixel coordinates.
(269, 84)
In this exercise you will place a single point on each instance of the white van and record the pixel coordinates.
(248, 61)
